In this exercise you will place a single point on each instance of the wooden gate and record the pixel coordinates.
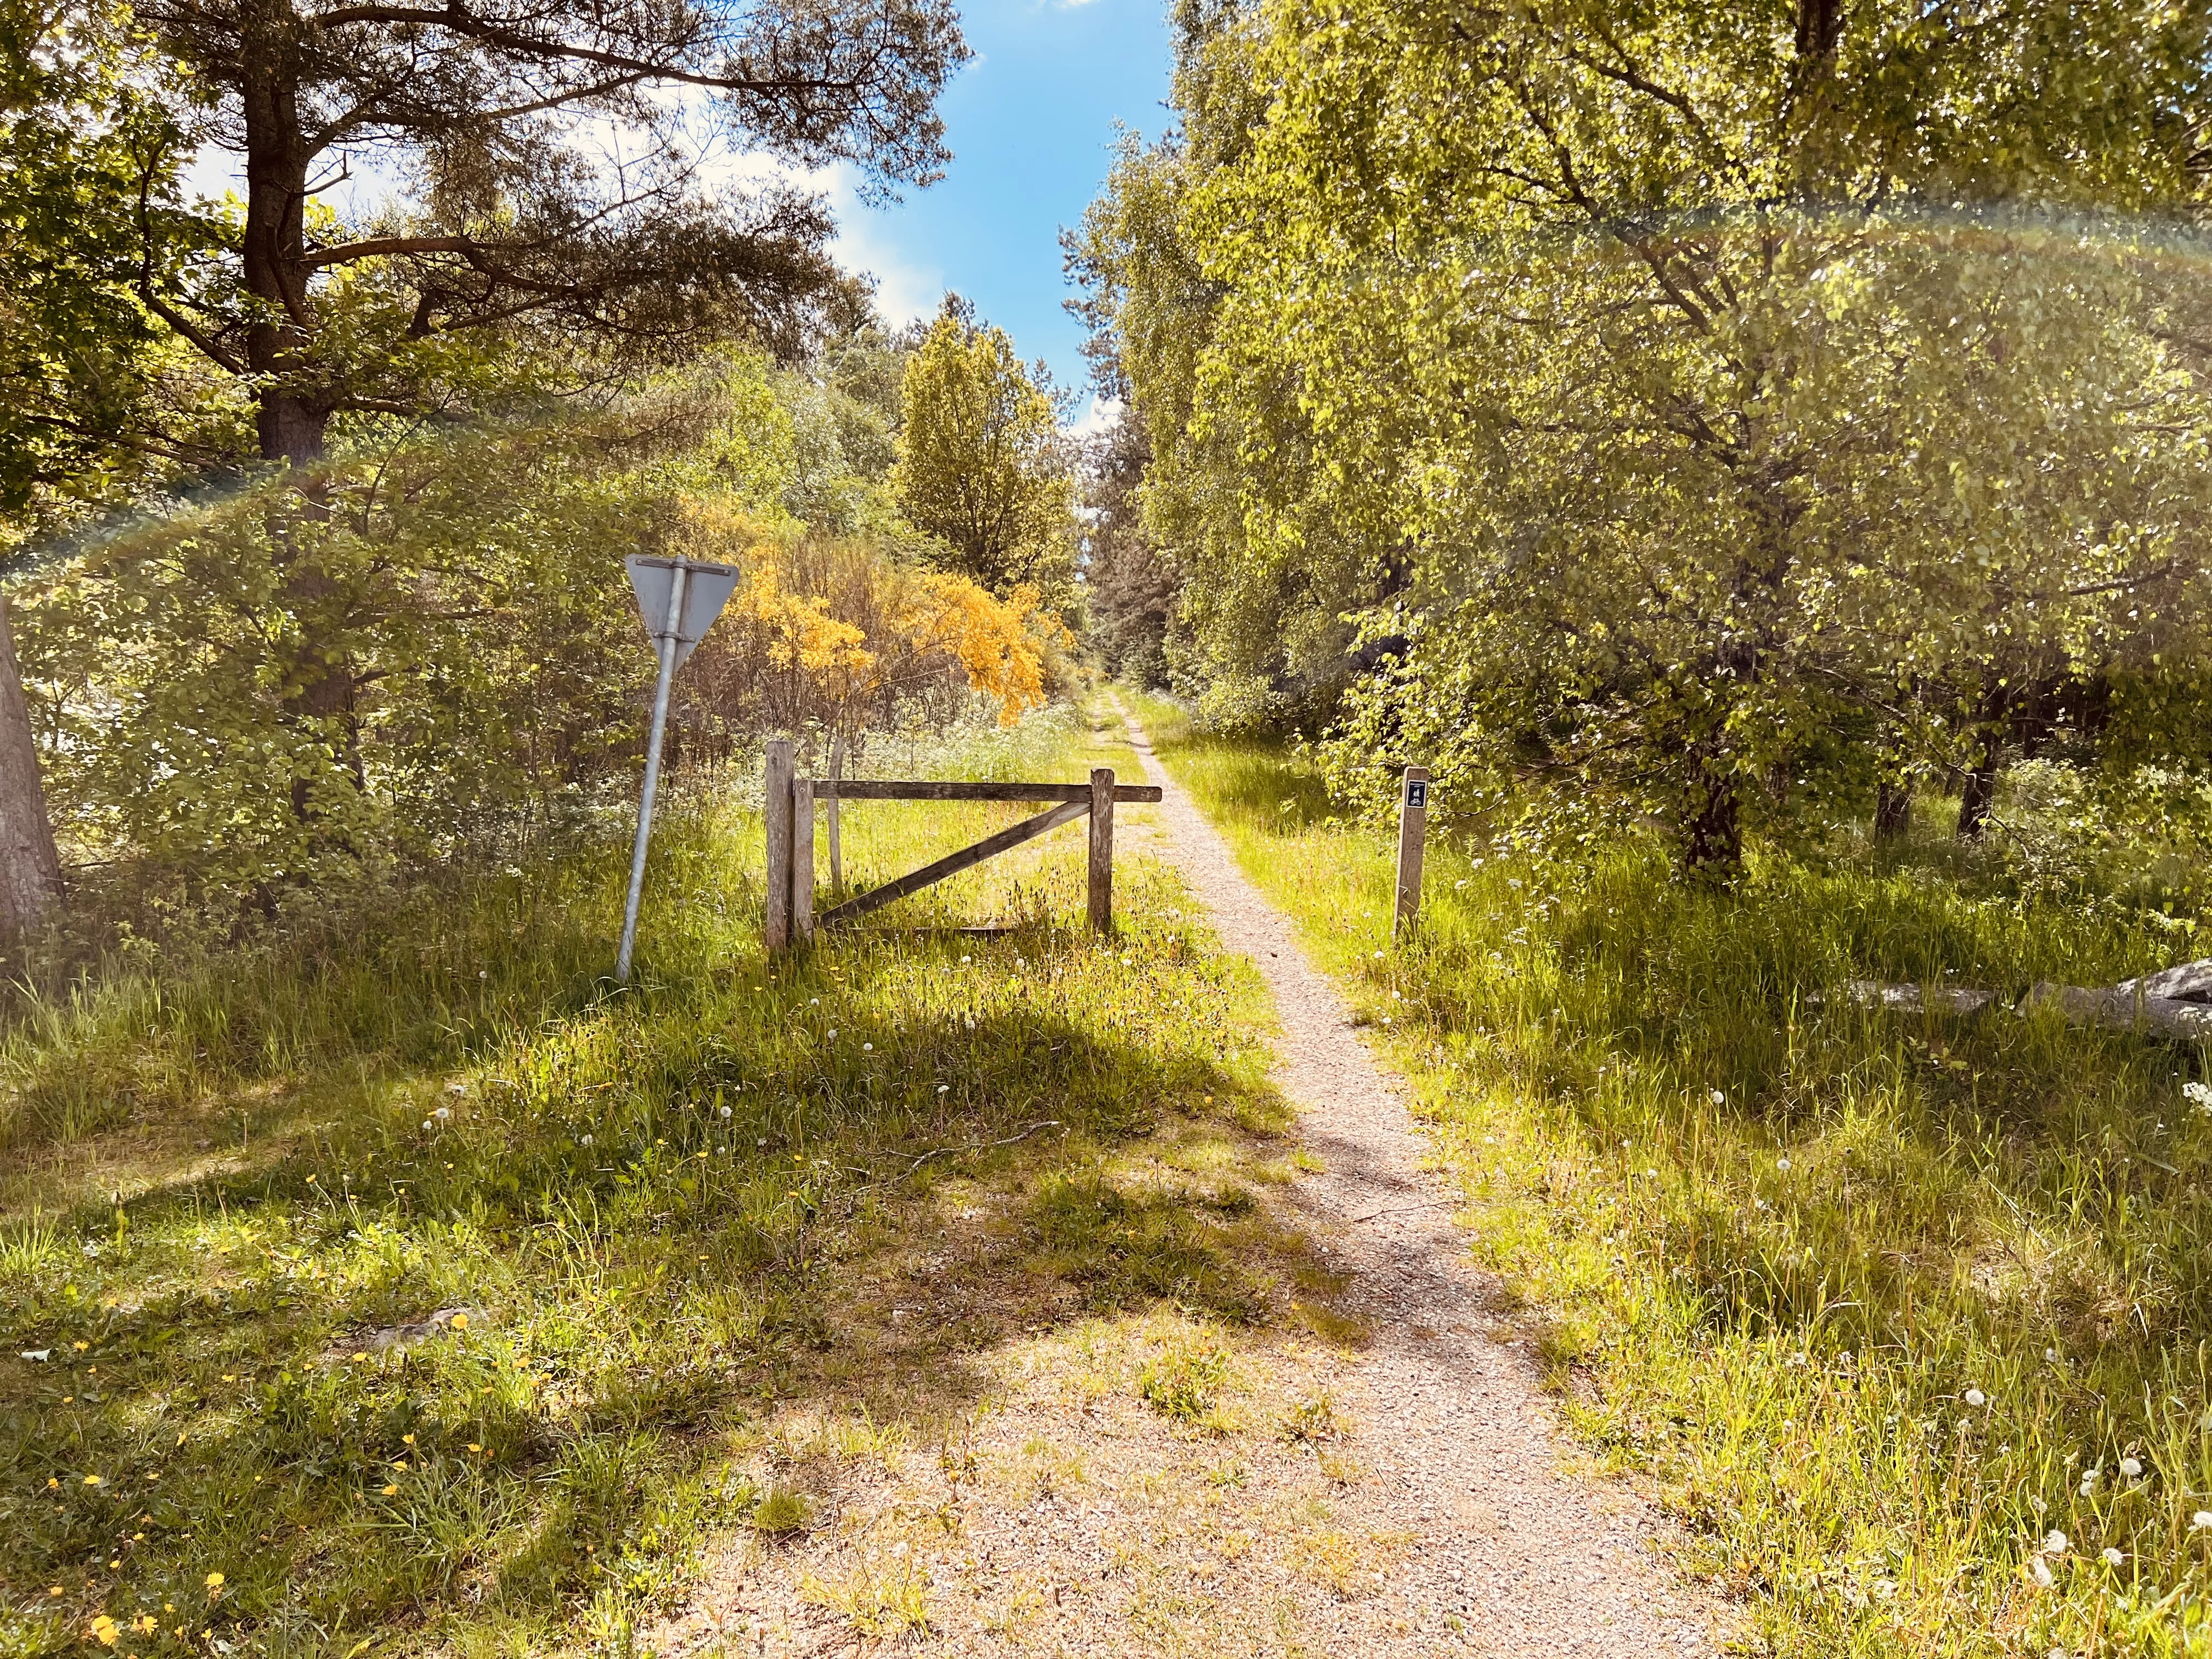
(791, 801)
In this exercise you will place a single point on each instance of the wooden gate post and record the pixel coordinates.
(802, 860)
(775, 816)
(1102, 849)
(1413, 825)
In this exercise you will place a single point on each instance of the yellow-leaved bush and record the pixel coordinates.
(837, 635)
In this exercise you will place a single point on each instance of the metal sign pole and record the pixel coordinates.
(668, 644)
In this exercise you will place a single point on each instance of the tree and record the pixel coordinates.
(1129, 587)
(489, 109)
(89, 198)
(1684, 443)
(980, 462)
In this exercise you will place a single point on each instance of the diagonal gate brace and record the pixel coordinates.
(953, 863)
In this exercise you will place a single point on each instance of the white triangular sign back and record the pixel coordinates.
(707, 589)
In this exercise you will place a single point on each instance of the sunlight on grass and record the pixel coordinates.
(1909, 1313)
(409, 1276)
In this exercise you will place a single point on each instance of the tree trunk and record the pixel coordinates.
(1980, 791)
(30, 868)
(273, 252)
(1893, 810)
(1714, 847)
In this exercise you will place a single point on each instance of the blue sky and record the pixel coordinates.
(1029, 121)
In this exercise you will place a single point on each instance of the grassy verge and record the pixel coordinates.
(1908, 1314)
(407, 1288)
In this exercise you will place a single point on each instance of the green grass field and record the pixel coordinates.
(237, 1187)
(1884, 1302)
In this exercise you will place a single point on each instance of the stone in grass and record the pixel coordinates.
(445, 1321)
(2189, 982)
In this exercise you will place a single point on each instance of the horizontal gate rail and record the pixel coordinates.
(884, 789)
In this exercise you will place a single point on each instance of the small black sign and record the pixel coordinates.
(1417, 791)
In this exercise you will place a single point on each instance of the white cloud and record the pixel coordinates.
(1098, 415)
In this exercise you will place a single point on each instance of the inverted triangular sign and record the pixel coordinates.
(707, 589)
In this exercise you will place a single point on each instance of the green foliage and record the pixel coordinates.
(93, 132)
(1704, 414)
(1769, 1239)
(980, 464)
(464, 588)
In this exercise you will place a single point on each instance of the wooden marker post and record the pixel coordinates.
(775, 815)
(1413, 825)
(1102, 849)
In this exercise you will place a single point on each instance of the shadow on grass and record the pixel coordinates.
(669, 1216)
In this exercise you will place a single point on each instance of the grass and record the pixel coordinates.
(405, 1286)
(1883, 1302)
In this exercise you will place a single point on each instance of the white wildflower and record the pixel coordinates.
(963, 962)
(833, 1033)
(867, 1048)
(725, 1112)
(2199, 1094)
(2054, 1542)
(583, 1141)
(2051, 1356)
(1719, 1099)
(944, 1088)
(2200, 1522)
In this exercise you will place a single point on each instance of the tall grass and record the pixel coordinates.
(1887, 1302)
(241, 1186)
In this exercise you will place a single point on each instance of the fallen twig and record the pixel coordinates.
(969, 1147)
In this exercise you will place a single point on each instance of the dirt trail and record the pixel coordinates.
(1382, 1478)
(1553, 1563)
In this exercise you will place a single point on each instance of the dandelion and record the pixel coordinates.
(2131, 1467)
(104, 1630)
(406, 1439)
(91, 1480)
(358, 1357)
(474, 1447)
(2054, 1542)
(2051, 1356)
(391, 1492)
(944, 1088)
(1782, 1164)
(1378, 956)
(215, 1581)
(726, 1113)
(460, 1323)
(963, 962)
(426, 1123)
(2039, 1570)
(2112, 1558)
(833, 1034)
(867, 1048)
(1977, 1398)
(1719, 1099)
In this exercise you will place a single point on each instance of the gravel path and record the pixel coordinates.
(1537, 1561)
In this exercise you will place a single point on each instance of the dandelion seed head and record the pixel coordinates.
(2131, 1467)
(2112, 1558)
(1977, 1398)
(2040, 1570)
(2054, 1542)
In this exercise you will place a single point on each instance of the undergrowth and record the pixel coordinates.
(1908, 1314)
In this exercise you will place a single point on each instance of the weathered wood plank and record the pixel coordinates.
(953, 863)
(1101, 850)
(928, 789)
(776, 812)
(802, 860)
